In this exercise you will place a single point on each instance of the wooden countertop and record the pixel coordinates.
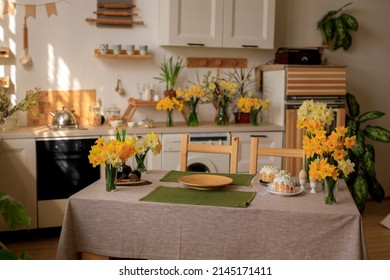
(179, 127)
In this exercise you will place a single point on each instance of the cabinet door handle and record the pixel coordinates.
(249, 46)
(195, 44)
(259, 136)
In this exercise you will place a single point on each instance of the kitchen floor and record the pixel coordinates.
(377, 236)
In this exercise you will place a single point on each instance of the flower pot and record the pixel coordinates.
(240, 117)
(170, 93)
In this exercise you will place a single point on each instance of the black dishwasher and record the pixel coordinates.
(63, 167)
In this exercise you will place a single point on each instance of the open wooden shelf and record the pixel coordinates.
(123, 54)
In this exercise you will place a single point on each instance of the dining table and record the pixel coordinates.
(167, 219)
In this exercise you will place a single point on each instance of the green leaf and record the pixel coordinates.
(353, 106)
(368, 162)
(6, 254)
(358, 149)
(375, 189)
(372, 115)
(340, 27)
(377, 133)
(351, 22)
(352, 128)
(347, 41)
(360, 190)
(14, 212)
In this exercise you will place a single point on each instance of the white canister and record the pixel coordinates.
(147, 95)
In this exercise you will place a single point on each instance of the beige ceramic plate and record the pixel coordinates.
(205, 181)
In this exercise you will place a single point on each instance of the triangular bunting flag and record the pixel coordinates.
(51, 9)
(9, 7)
(30, 11)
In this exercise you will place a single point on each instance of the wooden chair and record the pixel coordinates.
(187, 147)
(256, 151)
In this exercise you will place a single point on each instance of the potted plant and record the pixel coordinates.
(364, 182)
(243, 80)
(335, 26)
(16, 216)
(170, 70)
(7, 109)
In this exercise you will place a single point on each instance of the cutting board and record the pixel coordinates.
(53, 101)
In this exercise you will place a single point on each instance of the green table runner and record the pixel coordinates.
(238, 178)
(190, 196)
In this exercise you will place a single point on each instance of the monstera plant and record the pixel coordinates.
(16, 216)
(363, 182)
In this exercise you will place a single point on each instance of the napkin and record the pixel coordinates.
(196, 197)
(238, 178)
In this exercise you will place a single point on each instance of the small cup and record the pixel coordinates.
(130, 49)
(143, 49)
(103, 48)
(156, 97)
(115, 123)
(117, 49)
(131, 124)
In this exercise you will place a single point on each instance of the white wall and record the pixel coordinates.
(62, 51)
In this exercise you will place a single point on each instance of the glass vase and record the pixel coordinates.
(193, 115)
(140, 160)
(330, 188)
(111, 172)
(253, 117)
(169, 118)
(222, 117)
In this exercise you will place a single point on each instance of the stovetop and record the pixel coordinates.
(66, 127)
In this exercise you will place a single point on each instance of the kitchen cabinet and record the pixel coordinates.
(18, 175)
(217, 23)
(267, 139)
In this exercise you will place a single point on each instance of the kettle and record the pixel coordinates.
(63, 118)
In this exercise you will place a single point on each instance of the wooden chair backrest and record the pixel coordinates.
(256, 151)
(187, 147)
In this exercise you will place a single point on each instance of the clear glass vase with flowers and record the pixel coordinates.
(252, 105)
(169, 104)
(328, 152)
(112, 153)
(222, 93)
(192, 96)
(142, 145)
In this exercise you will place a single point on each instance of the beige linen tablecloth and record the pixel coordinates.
(272, 227)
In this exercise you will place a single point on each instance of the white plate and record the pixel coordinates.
(205, 181)
(270, 189)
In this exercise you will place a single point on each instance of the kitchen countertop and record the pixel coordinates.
(179, 127)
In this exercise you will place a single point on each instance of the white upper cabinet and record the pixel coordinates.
(249, 24)
(217, 23)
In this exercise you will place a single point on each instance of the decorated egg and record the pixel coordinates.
(302, 174)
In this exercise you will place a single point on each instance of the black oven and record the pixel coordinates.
(63, 167)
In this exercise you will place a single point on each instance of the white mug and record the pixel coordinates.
(117, 49)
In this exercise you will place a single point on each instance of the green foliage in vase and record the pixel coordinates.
(363, 182)
(16, 216)
(170, 70)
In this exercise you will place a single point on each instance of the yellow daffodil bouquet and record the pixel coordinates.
(221, 92)
(252, 105)
(112, 152)
(169, 104)
(192, 96)
(327, 153)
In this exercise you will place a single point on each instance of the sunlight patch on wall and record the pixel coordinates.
(63, 74)
(50, 64)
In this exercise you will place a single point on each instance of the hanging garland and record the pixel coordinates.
(29, 9)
